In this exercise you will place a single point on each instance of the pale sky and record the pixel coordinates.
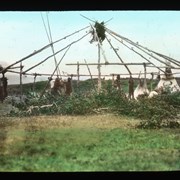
(23, 32)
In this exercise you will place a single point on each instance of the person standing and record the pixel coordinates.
(68, 87)
(117, 84)
(5, 83)
(1, 91)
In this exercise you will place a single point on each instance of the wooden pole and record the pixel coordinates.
(145, 82)
(21, 90)
(53, 73)
(99, 70)
(33, 74)
(71, 83)
(136, 52)
(67, 47)
(2, 87)
(162, 67)
(95, 64)
(137, 45)
(43, 48)
(168, 58)
(90, 74)
(75, 75)
(88, 69)
(119, 56)
(34, 84)
(152, 79)
(112, 79)
(15, 67)
(78, 74)
(52, 47)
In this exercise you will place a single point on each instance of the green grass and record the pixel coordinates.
(87, 144)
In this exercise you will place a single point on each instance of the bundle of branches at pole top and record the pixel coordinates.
(98, 32)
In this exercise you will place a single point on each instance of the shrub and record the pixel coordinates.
(152, 111)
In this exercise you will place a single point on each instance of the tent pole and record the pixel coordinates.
(34, 84)
(78, 74)
(90, 74)
(99, 70)
(21, 90)
(112, 80)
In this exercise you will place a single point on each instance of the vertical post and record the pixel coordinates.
(112, 80)
(152, 74)
(34, 84)
(1, 91)
(99, 70)
(3, 86)
(21, 90)
(90, 74)
(145, 83)
(78, 74)
(5, 83)
(72, 83)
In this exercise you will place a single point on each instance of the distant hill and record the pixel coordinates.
(15, 79)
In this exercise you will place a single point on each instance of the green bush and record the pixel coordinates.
(162, 110)
(152, 111)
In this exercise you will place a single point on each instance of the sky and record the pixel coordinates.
(23, 32)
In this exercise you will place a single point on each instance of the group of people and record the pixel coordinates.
(62, 87)
(117, 84)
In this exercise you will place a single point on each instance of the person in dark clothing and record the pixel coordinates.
(5, 83)
(68, 87)
(1, 91)
(117, 83)
(56, 87)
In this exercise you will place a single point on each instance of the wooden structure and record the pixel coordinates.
(132, 46)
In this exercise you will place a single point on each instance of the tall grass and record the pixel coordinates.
(91, 143)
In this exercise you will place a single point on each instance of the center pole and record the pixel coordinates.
(99, 70)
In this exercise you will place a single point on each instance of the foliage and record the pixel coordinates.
(172, 98)
(39, 86)
(153, 112)
(162, 110)
(155, 123)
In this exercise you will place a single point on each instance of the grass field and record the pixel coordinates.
(85, 143)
